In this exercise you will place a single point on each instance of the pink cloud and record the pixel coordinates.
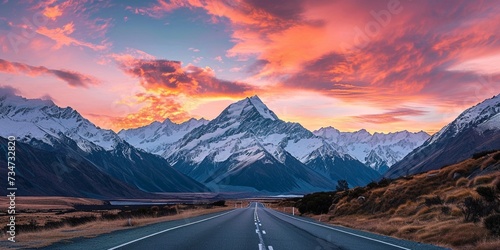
(62, 37)
(172, 77)
(72, 78)
(218, 58)
(392, 116)
(67, 23)
(155, 107)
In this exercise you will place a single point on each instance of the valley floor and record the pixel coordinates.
(41, 212)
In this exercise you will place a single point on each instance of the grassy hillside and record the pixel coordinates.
(457, 206)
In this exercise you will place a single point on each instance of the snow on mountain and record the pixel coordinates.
(379, 151)
(483, 116)
(43, 126)
(40, 119)
(233, 129)
(247, 133)
(155, 137)
(475, 130)
(241, 125)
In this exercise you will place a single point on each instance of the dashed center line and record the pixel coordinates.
(262, 246)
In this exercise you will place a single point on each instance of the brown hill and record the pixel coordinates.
(457, 206)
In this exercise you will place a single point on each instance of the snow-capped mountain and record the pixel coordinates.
(41, 119)
(248, 145)
(477, 129)
(379, 151)
(156, 137)
(44, 126)
(62, 170)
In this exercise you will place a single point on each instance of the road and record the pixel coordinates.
(254, 227)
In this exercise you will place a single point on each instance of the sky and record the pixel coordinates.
(381, 65)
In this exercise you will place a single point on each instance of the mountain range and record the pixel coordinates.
(62, 145)
(475, 130)
(219, 153)
(379, 151)
(246, 148)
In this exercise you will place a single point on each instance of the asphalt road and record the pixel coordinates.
(254, 227)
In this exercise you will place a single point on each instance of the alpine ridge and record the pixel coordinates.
(247, 147)
(475, 130)
(41, 126)
(379, 151)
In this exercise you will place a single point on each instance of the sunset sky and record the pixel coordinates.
(384, 65)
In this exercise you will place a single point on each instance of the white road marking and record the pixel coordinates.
(342, 231)
(260, 247)
(264, 231)
(270, 248)
(261, 240)
(170, 229)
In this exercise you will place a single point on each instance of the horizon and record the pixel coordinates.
(383, 66)
(6, 93)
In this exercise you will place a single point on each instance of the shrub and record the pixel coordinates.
(384, 182)
(472, 209)
(141, 212)
(75, 221)
(109, 216)
(355, 193)
(487, 192)
(496, 157)
(53, 224)
(317, 203)
(221, 203)
(436, 200)
(446, 210)
(168, 210)
(492, 223)
(372, 185)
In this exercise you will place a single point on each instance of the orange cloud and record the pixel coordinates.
(392, 116)
(156, 107)
(72, 78)
(69, 20)
(52, 12)
(370, 51)
(170, 76)
(62, 38)
(165, 83)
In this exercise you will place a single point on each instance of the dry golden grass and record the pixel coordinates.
(488, 245)
(449, 233)
(406, 208)
(93, 229)
(44, 213)
(482, 180)
(32, 203)
(462, 182)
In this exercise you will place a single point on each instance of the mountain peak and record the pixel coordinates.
(44, 120)
(241, 107)
(262, 108)
(362, 132)
(255, 99)
(19, 101)
(476, 116)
